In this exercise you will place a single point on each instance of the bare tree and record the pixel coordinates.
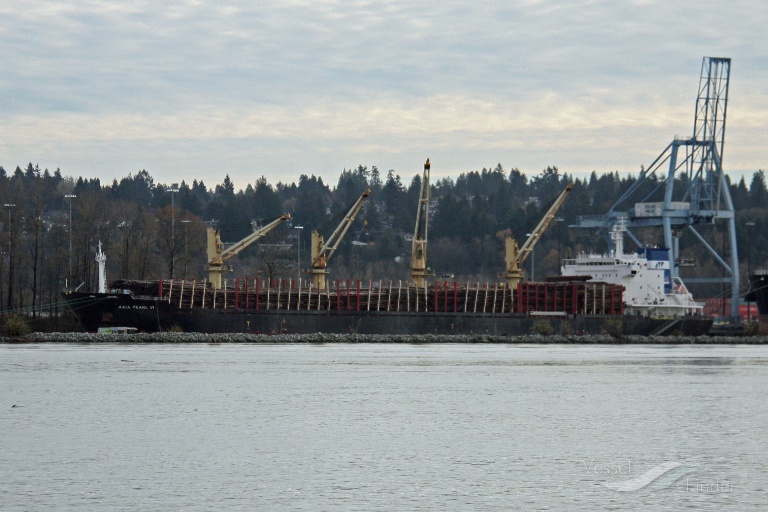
(34, 224)
(170, 238)
(146, 256)
(272, 260)
(192, 253)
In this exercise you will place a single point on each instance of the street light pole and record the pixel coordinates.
(749, 224)
(298, 253)
(69, 273)
(10, 255)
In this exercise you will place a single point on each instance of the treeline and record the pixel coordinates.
(154, 230)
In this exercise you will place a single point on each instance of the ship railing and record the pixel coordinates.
(343, 296)
(576, 297)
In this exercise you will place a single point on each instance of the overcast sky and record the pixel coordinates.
(198, 90)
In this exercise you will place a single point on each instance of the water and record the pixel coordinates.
(381, 427)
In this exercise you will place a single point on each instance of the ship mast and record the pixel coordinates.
(101, 259)
(617, 235)
(419, 270)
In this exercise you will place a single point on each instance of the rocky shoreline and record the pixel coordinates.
(320, 338)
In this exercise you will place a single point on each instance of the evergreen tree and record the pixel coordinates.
(131, 218)
(757, 190)
(740, 195)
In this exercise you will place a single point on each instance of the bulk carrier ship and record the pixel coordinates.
(569, 306)
(588, 298)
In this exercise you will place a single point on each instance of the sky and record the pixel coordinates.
(201, 89)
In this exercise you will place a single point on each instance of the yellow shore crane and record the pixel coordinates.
(419, 270)
(322, 250)
(514, 257)
(217, 255)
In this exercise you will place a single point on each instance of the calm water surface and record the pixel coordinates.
(383, 427)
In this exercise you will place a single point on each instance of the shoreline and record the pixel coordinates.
(322, 338)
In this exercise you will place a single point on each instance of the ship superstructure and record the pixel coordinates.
(649, 288)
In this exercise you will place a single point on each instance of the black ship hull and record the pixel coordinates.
(149, 314)
(305, 322)
(95, 310)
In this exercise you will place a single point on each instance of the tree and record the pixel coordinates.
(170, 238)
(374, 182)
(36, 195)
(266, 203)
(351, 185)
(130, 224)
(272, 259)
(137, 187)
(131, 217)
(757, 190)
(740, 195)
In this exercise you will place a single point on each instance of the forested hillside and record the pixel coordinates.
(155, 230)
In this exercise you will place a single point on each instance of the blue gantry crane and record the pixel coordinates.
(695, 166)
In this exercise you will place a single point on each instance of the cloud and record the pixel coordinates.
(315, 86)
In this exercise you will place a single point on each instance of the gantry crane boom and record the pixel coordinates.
(419, 270)
(514, 257)
(217, 255)
(323, 250)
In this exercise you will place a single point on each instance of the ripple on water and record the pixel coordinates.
(379, 427)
